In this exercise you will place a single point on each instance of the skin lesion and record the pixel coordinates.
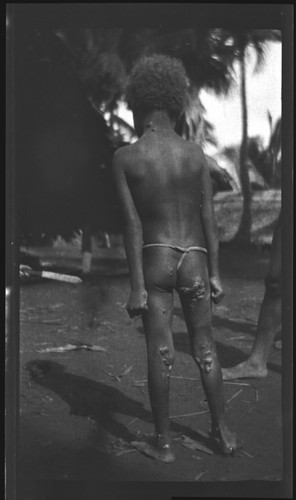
(195, 292)
(204, 362)
(167, 359)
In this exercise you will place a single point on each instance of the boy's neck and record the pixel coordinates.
(156, 121)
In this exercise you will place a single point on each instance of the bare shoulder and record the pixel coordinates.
(194, 151)
(122, 156)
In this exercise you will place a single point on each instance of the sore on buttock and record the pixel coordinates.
(194, 292)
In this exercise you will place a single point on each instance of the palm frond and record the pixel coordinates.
(122, 123)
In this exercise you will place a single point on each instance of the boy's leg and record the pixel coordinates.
(157, 323)
(194, 292)
(269, 324)
(269, 321)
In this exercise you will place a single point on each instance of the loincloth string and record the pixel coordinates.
(184, 251)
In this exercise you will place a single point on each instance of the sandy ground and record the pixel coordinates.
(80, 409)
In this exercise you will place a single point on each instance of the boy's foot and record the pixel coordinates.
(160, 450)
(224, 441)
(247, 369)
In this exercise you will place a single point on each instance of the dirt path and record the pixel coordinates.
(79, 410)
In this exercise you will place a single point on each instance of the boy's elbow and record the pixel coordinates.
(132, 227)
(207, 217)
(209, 222)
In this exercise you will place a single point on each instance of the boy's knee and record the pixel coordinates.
(273, 287)
(204, 358)
(168, 356)
(197, 291)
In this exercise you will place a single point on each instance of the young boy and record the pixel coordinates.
(171, 242)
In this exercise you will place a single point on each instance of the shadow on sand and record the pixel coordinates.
(96, 400)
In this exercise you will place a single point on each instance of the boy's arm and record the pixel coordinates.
(133, 240)
(211, 233)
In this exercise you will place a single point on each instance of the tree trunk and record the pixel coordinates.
(275, 145)
(86, 249)
(243, 234)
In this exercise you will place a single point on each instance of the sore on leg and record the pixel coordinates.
(168, 356)
(193, 293)
(204, 351)
(204, 360)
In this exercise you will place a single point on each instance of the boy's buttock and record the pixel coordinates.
(166, 268)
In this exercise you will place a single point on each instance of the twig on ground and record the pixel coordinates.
(199, 476)
(190, 414)
(234, 396)
(246, 453)
(45, 322)
(132, 421)
(111, 375)
(125, 372)
(123, 452)
(236, 383)
(73, 347)
(119, 377)
(237, 338)
(193, 445)
(185, 378)
(171, 376)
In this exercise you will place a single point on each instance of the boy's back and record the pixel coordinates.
(164, 176)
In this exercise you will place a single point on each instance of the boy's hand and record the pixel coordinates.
(24, 271)
(217, 292)
(137, 303)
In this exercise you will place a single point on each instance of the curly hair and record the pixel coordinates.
(157, 82)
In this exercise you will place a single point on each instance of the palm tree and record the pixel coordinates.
(273, 151)
(267, 160)
(209, 57)
(238, 43)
